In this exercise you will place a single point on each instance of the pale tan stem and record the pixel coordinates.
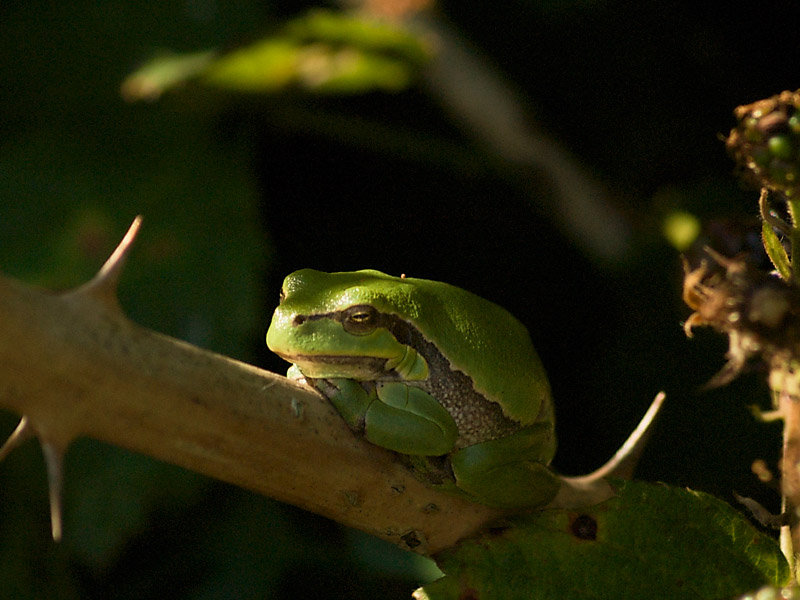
(491, 110)
(790, 477)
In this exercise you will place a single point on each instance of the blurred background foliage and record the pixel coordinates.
(270, 136)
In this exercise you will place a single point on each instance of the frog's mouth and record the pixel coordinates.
(323, 366)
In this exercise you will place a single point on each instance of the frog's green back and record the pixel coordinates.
(477, 336)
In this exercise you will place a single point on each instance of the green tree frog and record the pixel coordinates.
(448, 380)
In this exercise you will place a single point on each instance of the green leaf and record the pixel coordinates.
(650, 541)
(323, 52)
(776, 251)
(273, 65)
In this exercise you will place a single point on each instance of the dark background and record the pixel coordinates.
(239, 191)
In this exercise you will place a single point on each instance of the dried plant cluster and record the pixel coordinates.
(758, 311)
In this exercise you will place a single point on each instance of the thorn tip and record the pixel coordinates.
(587, 490)
(116, 261)
(624, 461)
(104, 284)
(54, 459)
(21, 434)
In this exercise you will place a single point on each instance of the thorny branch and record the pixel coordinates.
(73, 365)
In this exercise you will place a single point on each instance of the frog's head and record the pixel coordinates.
(339, 325)
(362, 325)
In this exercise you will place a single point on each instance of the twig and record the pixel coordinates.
(489, 109)
(790, 478)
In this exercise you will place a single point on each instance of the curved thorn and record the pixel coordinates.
(624, 461)
(115, 262)
(21, 434)
(104, 284)
(54, 459)
(591, 489)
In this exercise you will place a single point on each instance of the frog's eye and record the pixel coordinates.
(360, 320)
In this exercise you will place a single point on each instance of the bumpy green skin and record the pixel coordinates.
(444, 378)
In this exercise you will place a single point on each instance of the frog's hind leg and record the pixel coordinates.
(509, 472)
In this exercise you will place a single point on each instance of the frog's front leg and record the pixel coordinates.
(509, 472)
(395, 416)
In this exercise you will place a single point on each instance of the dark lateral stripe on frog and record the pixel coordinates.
(478, 419)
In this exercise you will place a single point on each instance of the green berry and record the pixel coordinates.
(781, 146)
(794, 122)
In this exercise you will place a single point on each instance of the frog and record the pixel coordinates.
(446, 380)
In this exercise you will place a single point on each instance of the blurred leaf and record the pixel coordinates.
(265, 66)
(321, 52)
(164, 72)
(276, 64)
(650, 541)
